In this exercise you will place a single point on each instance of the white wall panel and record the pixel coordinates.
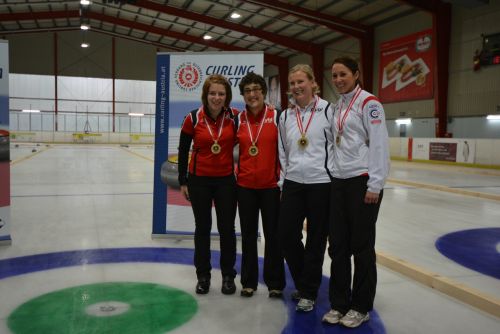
(79, 88)
(84, 106)
(32, 86)
(135, 91)
(31, 103)
(125, 108)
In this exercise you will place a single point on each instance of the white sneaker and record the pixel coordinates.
(305, 305)
(332, 317)
(353, 319)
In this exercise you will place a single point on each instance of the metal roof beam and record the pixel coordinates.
(24, 16)
(5, 17)
(299, 45)
(271, 59)
(350, 28)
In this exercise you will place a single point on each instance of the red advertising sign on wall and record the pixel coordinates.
(406, 69)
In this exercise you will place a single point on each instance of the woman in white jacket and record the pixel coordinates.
(361, 166)
(305, 152)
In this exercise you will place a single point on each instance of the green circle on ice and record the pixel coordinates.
(112, 307)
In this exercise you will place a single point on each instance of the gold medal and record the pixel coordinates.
(253, 150)
(303, 142)
(337, 140)
(215, 148)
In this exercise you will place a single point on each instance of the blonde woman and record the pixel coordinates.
(306, 157)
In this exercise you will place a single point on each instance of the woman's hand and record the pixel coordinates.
(371, 198)
(185, 192)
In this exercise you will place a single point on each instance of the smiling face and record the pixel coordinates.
(343, 78)
(254, 97)
(301, 87)
(216, 98)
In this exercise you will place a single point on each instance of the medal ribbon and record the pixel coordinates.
(260, 128)
(341, 120)
(299, 120)
(220, 127)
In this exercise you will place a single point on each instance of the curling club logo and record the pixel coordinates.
(188, 76)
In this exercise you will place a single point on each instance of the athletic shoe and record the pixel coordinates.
(203, 286)
(247, 292)
(275, 293)
(228, 287)
(353, 319)
(305, 305)
(332, 317)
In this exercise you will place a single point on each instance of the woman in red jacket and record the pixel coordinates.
(211, 178)
(257, 177)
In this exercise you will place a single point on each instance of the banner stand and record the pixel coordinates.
(179, 82)
(5, 238)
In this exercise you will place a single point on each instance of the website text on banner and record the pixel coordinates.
(180, 78)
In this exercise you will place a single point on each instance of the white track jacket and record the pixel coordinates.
(314, 163)
(364, 143)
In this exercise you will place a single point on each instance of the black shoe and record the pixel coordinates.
(203, 286)
(228, 287)
(247, 292)
(275, 293)
(295, 296)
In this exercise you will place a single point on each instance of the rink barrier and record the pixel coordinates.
(442, 284)
(436, 187)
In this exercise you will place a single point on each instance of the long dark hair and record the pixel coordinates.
(351, 64)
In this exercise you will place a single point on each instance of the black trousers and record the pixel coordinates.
(352, 233)
(221, 191)
(250, 202)
(298, 202)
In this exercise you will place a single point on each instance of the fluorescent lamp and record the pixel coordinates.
(135, 114)
(84, 2)
(405, 121)
(31, 110)
(207, 37)
(85, 45)
(84, 26)
(493, 117)
(235, 15)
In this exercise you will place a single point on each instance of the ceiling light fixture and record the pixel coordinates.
(207, 37)
(31, 110)
(84, 26)
(235, 15)
(84, 45)
(493, 117)
(135, 114)
(84, 2)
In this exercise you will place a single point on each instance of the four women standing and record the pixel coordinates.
(334, 162)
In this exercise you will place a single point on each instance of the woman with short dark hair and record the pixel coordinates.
(258, 191)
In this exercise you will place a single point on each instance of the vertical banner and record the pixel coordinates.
(179, 82)
(406, 68)
(4, 145)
